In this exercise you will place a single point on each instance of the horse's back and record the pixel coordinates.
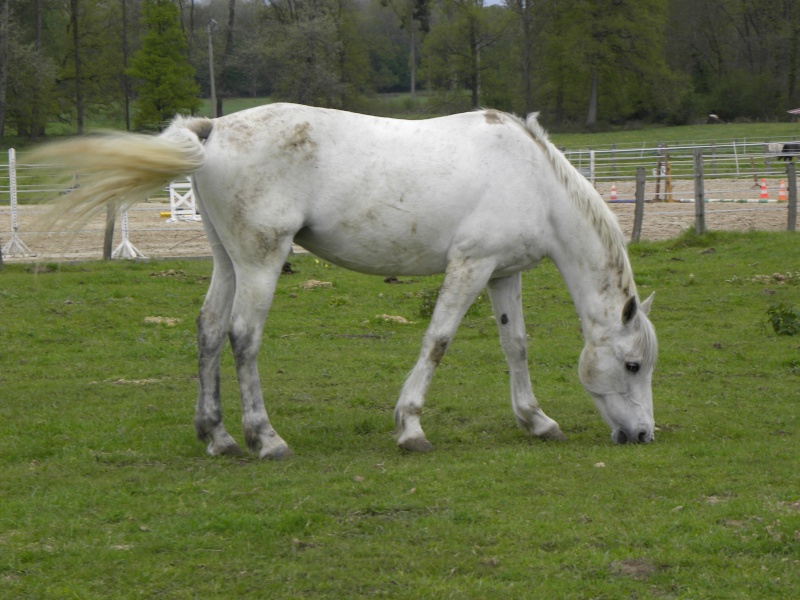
(373, 194)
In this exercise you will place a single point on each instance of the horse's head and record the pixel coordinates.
(617, 368)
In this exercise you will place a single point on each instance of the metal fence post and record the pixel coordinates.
(699, 194)
(791, 175)
(638, 214)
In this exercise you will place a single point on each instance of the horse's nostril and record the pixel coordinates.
(643, 437)
(622, 437)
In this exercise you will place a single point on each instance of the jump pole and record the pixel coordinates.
(15, 246)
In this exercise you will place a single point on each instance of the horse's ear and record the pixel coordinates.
(629, 310)
(645, 306)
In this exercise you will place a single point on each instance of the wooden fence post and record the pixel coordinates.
(791, 175)
(638, 213)
(699, 194)
(108, 237)
(668, 184)
(658, 181)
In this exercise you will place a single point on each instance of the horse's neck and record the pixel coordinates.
(594, 279)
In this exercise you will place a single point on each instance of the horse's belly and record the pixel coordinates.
(376, 255)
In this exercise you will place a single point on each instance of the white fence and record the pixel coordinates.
(724, 158)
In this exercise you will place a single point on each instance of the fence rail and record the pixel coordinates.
(740, 158)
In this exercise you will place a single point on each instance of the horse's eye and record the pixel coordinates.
(632, 367)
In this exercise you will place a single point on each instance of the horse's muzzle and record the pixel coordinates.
(639, 436)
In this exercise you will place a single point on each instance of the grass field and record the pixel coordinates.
(106, 493)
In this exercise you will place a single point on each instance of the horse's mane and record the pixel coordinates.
(587, 200)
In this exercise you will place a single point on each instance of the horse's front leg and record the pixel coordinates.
(255, 287)
(463, 282)
(506, 296)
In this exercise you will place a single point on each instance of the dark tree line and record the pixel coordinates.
(579, 62)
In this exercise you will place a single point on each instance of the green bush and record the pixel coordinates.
(785, 319)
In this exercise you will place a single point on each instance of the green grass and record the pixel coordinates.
(653, 135)
(106, 493)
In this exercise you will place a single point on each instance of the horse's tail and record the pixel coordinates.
(115, 169)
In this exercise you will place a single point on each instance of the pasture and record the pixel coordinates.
(106, 493)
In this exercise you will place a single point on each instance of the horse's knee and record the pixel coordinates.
(245, 344)
(211, 332)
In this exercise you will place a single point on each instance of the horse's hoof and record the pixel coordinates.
(554, 434)
(416, 445)
(229, 449)
(277, 453)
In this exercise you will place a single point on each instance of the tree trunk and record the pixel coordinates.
(412, 51)
(126, 86)
(4, 48)
(793, 62)
(591, 117)
(560, 104)
(474, 76)
(527, 44)
(226, 54)
(76, 42)
(37, 124)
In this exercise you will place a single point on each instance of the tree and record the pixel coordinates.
(742, 56)
(524, 11)
(224, 63)
(456, 43)
(76, 48)
(166, 80)
(82, 37)
(5, 22)
(414, 16)
(318, 53)
(609, 51)
(29, 77)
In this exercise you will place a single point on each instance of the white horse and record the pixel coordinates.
(479, 196)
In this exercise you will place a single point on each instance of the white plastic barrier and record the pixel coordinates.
(182, 206)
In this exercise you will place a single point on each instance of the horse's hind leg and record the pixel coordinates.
(462, 284)
(212, 332)
(506, 296)
(255, 287)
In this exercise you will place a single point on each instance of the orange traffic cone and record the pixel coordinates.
(764, 195)
(782, 192)
(613, 192)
